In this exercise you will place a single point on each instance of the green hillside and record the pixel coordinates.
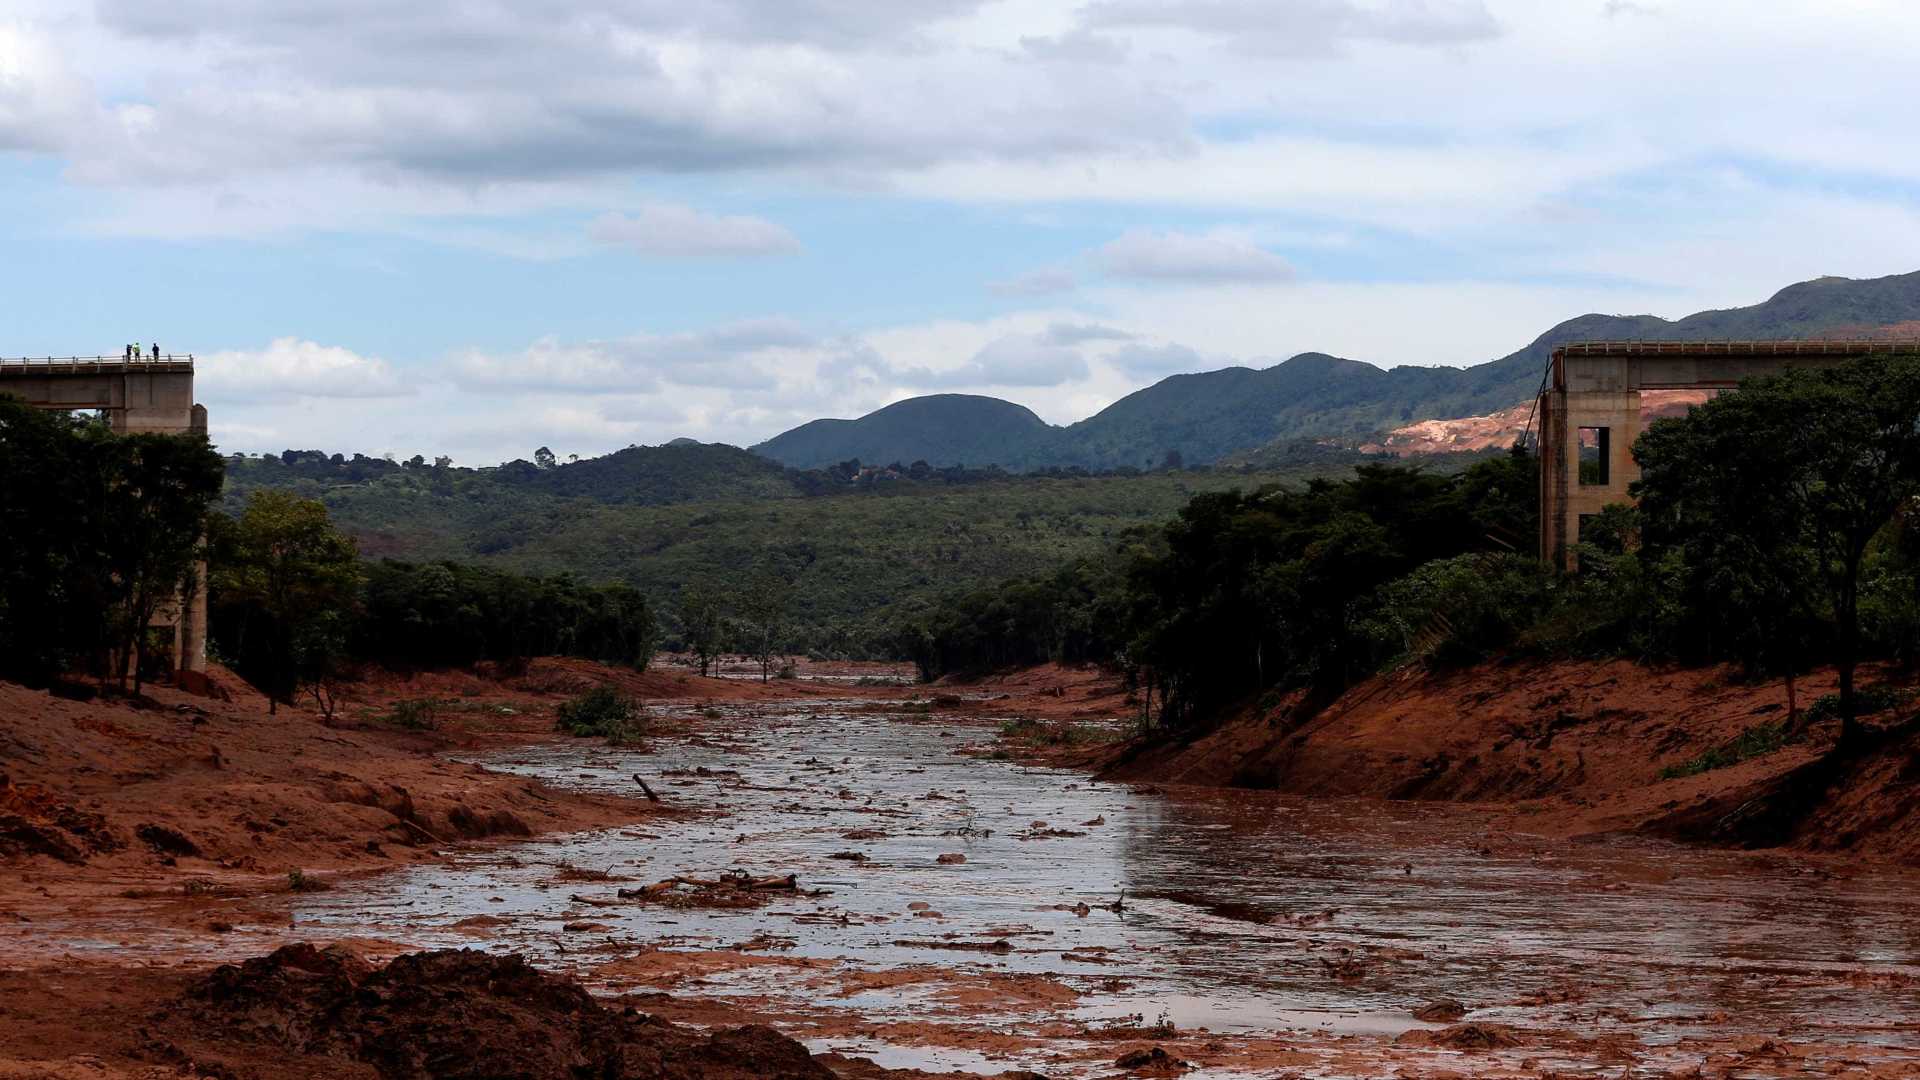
(1210, 415)
(939, 429)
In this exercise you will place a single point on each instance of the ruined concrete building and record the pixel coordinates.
(1592, 403)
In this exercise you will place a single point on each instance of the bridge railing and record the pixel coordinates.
(168, 359)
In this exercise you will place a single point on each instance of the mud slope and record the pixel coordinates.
(1573, 747)
(307, 1012)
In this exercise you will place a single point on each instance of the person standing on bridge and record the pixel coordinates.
(156, 350)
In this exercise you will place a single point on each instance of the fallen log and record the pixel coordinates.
(651, 797)
(1000, 946)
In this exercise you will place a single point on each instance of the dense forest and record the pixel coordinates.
(1776, 528)
(855, 547)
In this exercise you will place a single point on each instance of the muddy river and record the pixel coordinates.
(1240, 913)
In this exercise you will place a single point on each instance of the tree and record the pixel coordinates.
(153, 518)
(702, 623)
(544, 458)
(761, 609)
(1773, 493)
(53, 580)
(296, 576)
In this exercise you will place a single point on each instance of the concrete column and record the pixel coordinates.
(1617, 415)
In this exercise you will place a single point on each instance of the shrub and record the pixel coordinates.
(1868, 700)
(602, 711)
(301, 882)
(416, 714)
(1757, 741)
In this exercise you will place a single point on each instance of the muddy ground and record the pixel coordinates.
(151, 841)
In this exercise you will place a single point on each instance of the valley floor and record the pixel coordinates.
(1306, 929)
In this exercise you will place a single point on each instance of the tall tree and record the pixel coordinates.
(761, 610)
(702, 624)
(54, 582)
(295, 575)
(1774, 492)
(153, 517)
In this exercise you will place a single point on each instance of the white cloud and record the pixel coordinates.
(292, 368)
(1176, 256)
(1015, 360)
(1306, 28)
(1153, 362)
(1070, 333)
(1047, 281)
(667, 229)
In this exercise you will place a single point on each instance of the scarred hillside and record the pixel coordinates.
(1576, 747)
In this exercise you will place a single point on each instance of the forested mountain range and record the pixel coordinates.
(1206, 416)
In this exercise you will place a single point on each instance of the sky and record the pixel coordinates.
(478, 228)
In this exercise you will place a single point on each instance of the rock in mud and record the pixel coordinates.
(167, 841)
(951, 858)
(457, 1014)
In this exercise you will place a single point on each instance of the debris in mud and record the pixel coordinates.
(1000, 945)
(734, 889)
(1470, 1037)
(452, 1013)
(1443, 1011)
(849, 856)
(951, 858)
(1153, 1062)
(1041, 832)
(566, 871)
(864, 834)
(1346, 968)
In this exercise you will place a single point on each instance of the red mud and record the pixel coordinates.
(115, 812)
(1574, 748)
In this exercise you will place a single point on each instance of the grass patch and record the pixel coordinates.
(1757, 741)
(1040, 733)
(415, 714)
(1868, 701)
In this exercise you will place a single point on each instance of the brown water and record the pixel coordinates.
(1238, 912)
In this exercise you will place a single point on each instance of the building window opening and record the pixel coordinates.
(1596, 457)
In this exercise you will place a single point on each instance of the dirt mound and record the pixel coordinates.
(457, 1013)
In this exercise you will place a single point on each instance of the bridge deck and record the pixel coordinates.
(92, 365)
